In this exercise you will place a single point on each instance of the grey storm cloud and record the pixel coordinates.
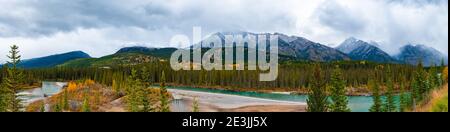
(393, 22)
(100, 27)
(418, 2)
(46, 17)
(338, 17)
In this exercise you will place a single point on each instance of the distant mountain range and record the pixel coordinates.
(412, 54)
(125, 56)
(294, 47)
(290, 48)
(136, 49)
(121, 59)
(52, 60)
(409, 54)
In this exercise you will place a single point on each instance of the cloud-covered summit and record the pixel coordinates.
(101, 27)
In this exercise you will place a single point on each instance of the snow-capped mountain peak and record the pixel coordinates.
(361, 50)
(413, 53)
(350, 44)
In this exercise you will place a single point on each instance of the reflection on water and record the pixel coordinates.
(179, 105)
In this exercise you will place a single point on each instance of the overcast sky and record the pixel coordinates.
(100, 27)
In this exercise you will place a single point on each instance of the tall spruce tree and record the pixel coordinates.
(146, 76)
(415, 93)
(339, 99)
(377, 102)
(134, 99)
(5, 96)
(433, 77)
(138, 94)
(5, 92)
(57, 107)
(195, 107)
(42, 107)
(13, 80)
(146, 79)
(147, 105)
(404, 99)
(445, 75)
(421, 85)
(86, 107)
(389, 105)
(164, 100)
(65, 100)
(317, 99)
(115, 87)
(442, 62)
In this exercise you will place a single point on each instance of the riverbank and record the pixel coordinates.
(29, 86)
(102, 99)
(351, 91)
(212, 102)
(437, 101)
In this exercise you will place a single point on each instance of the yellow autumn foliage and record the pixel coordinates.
(89, 82)
(72, 86)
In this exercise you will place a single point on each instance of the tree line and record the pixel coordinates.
(293, 76)
(321, 81)
(410, 93)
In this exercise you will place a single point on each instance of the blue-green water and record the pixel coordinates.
(47, 89)
(356, 103)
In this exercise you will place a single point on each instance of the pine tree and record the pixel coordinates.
(439, 78)
(404, 99)
(145, 75)
(65, 101)
(5, 94)
(42, 109)
(147, 107)
(415, 93)
(420, 83)
(133, 92)
(433, 77)
(338, 97)
(57, 108)
(137, 94)
(389, 105)
(427, 86)
(317, 100)
(97, 99)
(445, 75)
(377, 103)
(13, 79)
(164, 100)
(86, 107)
(195, 107)
(115, 87)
